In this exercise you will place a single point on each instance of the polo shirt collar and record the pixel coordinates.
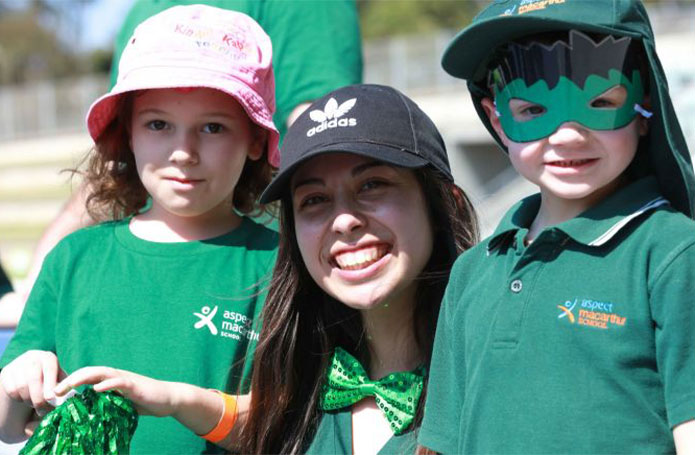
(520, 216)
(596, 226)
(601, 223)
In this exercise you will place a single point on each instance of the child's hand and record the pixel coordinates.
(150, 396)
(31, 378)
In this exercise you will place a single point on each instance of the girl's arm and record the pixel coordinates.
(26, 385)
(684, 437)
(14, 417)
(198, 409)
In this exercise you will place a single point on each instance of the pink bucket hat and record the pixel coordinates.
(198, 46)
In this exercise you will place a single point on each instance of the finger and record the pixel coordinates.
(9, 385)
(34, 382)
(50, 376)
(111, 384)
(86, 375)
(31, 425)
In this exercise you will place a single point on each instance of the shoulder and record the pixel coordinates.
(665, 236)
(87, 238)
(467, 267)
(260, 236)
(665, 228)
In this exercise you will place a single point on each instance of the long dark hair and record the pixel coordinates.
(302, 324)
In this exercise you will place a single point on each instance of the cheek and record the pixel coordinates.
(415, 230)
(308, 241)
(524, 157)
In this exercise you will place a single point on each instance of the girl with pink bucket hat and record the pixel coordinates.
(170, 289)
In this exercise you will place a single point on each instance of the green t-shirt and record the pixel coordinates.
(579, 343)
(316, 44)
(334, 437)
(173, 311)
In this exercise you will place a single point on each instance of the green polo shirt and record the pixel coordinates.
(334, 437)
(581, 342)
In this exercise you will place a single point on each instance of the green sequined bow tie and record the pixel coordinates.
(396, 395)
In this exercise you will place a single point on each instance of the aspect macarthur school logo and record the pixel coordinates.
(329, 117)
(234, 325)
(591, 313)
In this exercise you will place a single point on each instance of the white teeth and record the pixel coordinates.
(570, 163)
(359, 259)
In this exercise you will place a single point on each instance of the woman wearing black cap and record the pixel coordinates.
(371, 223)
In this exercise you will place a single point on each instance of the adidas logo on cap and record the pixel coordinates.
(329, 116)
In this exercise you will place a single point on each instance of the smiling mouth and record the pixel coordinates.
(572, 163)
(184, 180)
(362, 258)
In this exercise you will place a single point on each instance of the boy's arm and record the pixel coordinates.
(684, 437)
(439, 431)
(671, 295)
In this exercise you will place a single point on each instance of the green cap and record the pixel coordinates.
(469, 53)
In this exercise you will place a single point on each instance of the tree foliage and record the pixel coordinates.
(382, 18)
(37, 40)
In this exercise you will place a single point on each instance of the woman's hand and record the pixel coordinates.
(149, 396)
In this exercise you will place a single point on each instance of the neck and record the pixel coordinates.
(555, 210)
(391, 340)
(168, 228)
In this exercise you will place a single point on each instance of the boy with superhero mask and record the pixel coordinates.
(570, 329)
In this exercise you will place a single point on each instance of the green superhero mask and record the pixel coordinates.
(567, 102)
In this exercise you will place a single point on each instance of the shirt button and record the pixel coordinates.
(516, 286)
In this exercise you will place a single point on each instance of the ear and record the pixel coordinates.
(258, 145)
(458, 196)
(491, 112)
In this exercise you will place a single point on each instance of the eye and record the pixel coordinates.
(605, 103)
(156, 125)
(213, 128)
(613, 98)
(523, 110)
(312, 200)
(533, 110)
(372, 184)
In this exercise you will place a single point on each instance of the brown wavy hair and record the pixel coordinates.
(302, 324)
(114, 186)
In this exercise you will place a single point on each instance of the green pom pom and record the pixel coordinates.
(88, 423)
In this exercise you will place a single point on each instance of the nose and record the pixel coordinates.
(347, 219)
(568, 134)
(185, 149)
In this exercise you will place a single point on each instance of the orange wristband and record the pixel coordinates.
(227, 421)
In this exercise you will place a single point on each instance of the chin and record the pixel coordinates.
(360, 300)
(572, 192)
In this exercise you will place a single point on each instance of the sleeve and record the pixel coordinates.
(316, 48)
(440, 427)
(671, 300)
(36, 328)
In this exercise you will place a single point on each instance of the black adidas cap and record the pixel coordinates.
(369, 120)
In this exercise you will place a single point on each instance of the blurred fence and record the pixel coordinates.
(47, 108)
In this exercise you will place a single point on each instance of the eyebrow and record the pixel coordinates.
(357, 170)
(156, 111)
